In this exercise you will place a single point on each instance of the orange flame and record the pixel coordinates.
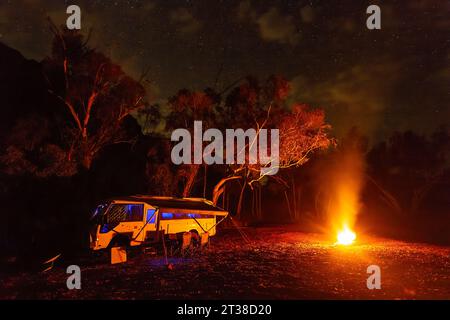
(346, 236)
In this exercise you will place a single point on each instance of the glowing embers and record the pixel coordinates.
(346, 236)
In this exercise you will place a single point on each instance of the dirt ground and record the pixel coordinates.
(277, 263)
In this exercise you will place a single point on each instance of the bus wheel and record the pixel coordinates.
(119, 241)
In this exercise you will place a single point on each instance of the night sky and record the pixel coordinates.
(396, 78)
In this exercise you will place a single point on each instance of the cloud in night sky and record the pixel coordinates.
(393, 79)
(185, 22)
(356, 96)
(307, 14)
(272, 25)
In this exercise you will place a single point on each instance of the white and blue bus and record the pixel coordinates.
(140, 219)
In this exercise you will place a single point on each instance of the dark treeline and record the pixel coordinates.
(69, 139)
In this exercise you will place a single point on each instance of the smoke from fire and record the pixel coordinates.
(341, 182)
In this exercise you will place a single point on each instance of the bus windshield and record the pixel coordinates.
(99, 212)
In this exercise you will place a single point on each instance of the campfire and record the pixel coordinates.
(346, 236)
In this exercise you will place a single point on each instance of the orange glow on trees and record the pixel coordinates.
(97, 95)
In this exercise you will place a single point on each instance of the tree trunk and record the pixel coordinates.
(241, 198)
(288, 205)
(387, 197)
(205, 180)
(220, 188)
(294, 198)
(191, 180)
(86, 161)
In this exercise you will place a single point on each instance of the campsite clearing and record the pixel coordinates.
(278, 263)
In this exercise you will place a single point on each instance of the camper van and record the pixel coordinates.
(140, 219)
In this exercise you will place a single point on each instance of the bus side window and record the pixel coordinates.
(135, 212)
(151, 216)
(167, 216)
